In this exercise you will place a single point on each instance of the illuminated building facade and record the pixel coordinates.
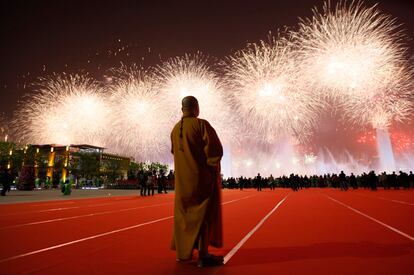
(56, 161)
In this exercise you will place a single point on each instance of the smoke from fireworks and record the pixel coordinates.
(64, 109)
(268, 93)
(140, 123)
(355, 54)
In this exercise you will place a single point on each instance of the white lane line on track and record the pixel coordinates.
(83, 239)
(40, 211)
(227, 202)
(373, 219)
(85, 215)
(397, 201)
(102, 213)
(97, 236)
(46, 204)
(57, 209)
(386, 199)
(247, 237)
(101, 204)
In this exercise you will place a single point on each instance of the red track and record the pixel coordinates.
(317, 231)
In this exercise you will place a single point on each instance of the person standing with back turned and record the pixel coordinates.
(197, 154)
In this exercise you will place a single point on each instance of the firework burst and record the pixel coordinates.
(191, 75)
(63, 109)
(267, 91)
(141, 125)
(355, 55)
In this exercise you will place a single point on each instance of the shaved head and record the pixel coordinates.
(189, 105)
(189, 102)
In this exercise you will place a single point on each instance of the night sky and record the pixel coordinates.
(41, 37)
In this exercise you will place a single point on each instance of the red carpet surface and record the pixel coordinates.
(313, 231)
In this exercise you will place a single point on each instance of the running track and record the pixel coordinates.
(315, 231)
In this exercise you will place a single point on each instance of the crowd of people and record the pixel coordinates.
(341, 181)
(148, 181)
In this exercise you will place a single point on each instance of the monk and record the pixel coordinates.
(197, 153)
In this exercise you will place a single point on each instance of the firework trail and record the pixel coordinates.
(141, 126)
(63, 109)
(191, 75)
(356, 55)
(4, 129)
(268, 93)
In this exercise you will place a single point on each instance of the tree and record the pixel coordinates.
(112, 169)
(16, 159)
(5, 157)
(151, 166)
(27, 178)
(133, 170)
(85, 164)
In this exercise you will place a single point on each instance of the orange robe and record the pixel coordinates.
(197, 185)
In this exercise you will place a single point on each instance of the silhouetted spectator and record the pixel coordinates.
(411, 179)
(403, 180)
(162, 183)
(393, 180)
(6, 179)
(373, 180)
(342, 181)
(142, 179)
(258, 182)
(151, 182)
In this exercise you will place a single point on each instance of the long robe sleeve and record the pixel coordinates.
(213, 148)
